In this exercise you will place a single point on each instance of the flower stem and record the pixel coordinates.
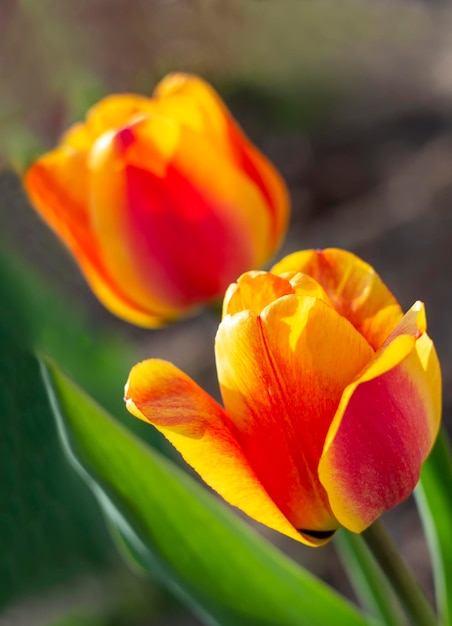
(403, 583)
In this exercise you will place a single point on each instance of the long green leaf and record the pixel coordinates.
(181, 533)
(434, 500)
(367, 579)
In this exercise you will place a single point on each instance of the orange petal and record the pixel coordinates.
(165, 222)
(58, 185)
(253, 291)
(384, 428)
(267, 178)
(109, 114)
(114, 201)
(192, 102)
(430, 364)
(184, 99)
(159, 393)
(78, 137)
(354, 288)
(281, 377)
(239, 203)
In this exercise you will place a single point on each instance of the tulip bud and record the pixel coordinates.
(163, 201)
(332, 398)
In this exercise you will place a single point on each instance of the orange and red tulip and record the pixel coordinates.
(163, 201)
(332, 397)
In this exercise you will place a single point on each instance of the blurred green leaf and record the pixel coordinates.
(367, 579)
(181, 533)
(434, 500)
(79, 619)
(50, 528)
(98, 361)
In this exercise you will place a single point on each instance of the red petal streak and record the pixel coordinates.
(181, 240)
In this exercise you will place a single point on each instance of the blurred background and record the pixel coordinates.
(351, 100)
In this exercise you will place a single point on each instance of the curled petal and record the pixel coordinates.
(253, 291)
(354, 288)
(159, 393)
(384, 428)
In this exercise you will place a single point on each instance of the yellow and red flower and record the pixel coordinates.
(332, 397)
(163, 201)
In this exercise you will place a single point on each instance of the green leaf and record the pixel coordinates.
(50, 527)
(181, 533)
(54, 325)
(79, 619)
(367, 579)
(434, 500)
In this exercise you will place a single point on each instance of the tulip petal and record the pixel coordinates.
(191, 101)
(111, 113)
(58, 187)
(354, 288)
(253, 291)
(267, 179)
(57, 184)
(430, 364)
(281, 376)
(77, 137)
(165, 223)
(114, 204)
(384, 428)
(240, 204)
(159, 393)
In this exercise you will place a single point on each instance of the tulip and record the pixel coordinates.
(163, 201)
(332, 397)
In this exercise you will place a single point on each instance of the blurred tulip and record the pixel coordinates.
(332, 398)
(163, 201)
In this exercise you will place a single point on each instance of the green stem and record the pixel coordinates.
(405, 586)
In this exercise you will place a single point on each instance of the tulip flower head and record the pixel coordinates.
(332, 397)
(163, 201)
